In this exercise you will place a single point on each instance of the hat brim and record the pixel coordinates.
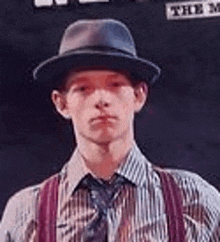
(48, 71)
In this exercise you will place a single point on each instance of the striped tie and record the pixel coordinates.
(102, 194)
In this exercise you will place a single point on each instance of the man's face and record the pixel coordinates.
(100, 103)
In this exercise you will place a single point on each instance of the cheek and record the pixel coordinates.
(125, 108)
(80, 111)
(129, 111)
(75, 107)
(127, 100)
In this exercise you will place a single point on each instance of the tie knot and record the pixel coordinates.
(102, 192)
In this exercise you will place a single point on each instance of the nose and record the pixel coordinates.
(102, 99)
(102, 104)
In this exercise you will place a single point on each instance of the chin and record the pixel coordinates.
(103, 138)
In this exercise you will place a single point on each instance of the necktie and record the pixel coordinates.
(102, 194)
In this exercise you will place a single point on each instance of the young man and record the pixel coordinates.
(108, 191)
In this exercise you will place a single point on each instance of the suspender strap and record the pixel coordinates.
(173, 207)
(47, 210)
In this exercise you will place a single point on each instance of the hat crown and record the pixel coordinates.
(107, 33)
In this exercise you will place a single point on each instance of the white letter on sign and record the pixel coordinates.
(48, 3)
(61, 2)
(43, 3)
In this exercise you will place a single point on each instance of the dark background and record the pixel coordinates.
(178, 128)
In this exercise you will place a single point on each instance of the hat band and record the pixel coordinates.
(101, 49)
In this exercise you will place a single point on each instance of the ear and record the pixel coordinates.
(59, 101)
(141, 94)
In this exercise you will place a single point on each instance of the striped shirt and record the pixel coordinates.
(137, 213)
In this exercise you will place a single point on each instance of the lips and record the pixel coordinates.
(103, 118)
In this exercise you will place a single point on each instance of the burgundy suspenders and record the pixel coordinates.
(47, 210)
(173, 207)
(48, 198)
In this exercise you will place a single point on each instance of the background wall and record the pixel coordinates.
(179, 127)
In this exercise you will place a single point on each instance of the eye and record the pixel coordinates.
(82, 88)
(116, 84)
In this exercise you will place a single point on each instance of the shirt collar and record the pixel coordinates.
(135, 168)
(75, 170)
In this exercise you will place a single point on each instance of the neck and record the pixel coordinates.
(104, 158)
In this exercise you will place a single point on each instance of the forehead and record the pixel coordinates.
(94, 75)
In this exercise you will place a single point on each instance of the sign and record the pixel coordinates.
(189, 10)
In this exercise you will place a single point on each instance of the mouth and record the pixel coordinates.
(104, 118)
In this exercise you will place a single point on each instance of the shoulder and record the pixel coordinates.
(191, 182)
(21, 210)
(24, 197)
(200, 203)
(194, 186)
(28, 196)
(20, 204)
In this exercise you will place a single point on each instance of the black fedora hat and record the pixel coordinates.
(105, 43)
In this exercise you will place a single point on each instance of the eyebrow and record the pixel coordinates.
(76, 80)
